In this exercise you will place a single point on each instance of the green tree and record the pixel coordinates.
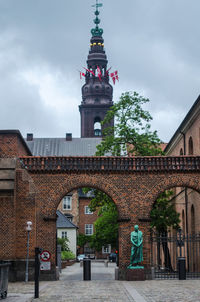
(163, 218)
(106, 227)
(98, 200)
(163, 214)
(132, 134)
(132, 129)
(82, 239)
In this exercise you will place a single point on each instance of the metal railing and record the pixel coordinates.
(166, 250)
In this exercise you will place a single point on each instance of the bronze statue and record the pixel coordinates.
(137, 248)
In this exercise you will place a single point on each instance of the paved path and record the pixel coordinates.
(103, 288)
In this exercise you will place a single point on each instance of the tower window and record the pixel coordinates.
(190, 145)
(97, 126)
(97, 132)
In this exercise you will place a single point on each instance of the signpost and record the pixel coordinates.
(45, 264)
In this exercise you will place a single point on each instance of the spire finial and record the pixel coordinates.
(97, 31)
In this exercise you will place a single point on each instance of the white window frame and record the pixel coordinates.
(106, 249)
(64, 234)
(88, 229)
(87, 211)
(67, 203)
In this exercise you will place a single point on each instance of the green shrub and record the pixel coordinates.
(64, 243)
(67, 255)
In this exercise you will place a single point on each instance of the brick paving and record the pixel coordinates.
(103, 288)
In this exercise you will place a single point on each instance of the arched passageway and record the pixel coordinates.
(132, 183)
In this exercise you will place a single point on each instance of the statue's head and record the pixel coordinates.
(136, 227)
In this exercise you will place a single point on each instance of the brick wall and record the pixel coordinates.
(12, 144)
(38, 193)
(133, 193)
(7, 225)
(192, 130)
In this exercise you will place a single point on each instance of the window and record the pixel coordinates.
(181, 151)
(106, 249)
(183, 221)
(87, 210)
(192, 220)
(67, 203)
(190, 145)
(69, 217)
(64, 234)
(88, 229)
(97, 126)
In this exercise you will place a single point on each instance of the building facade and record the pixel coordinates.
(186, 142)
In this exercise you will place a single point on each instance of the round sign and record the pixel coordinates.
(45, 255)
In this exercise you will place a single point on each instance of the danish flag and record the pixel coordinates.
(89, 71)
(82, 74)
(114, 76)
(99, 73)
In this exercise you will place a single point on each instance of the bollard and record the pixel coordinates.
(86, 269)
(181, 268)
(37, 270)
(59, 262)
(152, 273)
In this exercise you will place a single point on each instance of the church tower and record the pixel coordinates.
(97, 93)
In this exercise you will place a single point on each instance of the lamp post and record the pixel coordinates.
(28, 228)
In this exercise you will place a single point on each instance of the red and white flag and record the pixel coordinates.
(89, 71)
(82, 74)
(107, 71)
(114, 76)
(99, 73)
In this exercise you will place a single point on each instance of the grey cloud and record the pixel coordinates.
(154, 45)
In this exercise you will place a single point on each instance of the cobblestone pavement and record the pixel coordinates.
(168, 290)
(103, 288)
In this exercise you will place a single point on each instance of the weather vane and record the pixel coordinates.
(97, 5)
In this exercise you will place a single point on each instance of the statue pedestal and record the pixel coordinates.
(135, 273)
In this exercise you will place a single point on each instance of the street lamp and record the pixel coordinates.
(28, 228)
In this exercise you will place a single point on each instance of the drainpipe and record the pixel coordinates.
(186, 204)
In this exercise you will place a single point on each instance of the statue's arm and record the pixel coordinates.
(133, 242)
(141, 239)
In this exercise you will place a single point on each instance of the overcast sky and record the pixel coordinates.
(154, 45)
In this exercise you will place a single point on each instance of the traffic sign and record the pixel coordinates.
(45, 256)
(45, 266)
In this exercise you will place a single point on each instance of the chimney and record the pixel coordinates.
(29, 137)
(68, 136)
